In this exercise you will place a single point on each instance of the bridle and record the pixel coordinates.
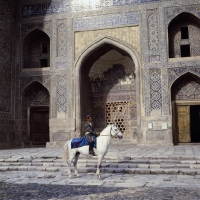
(113, 132)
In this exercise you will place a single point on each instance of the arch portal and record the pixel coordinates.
(35, 114)
(36, 50)
(107, 86)
(183, 33)
(185, 95)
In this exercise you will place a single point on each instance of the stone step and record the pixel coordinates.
(94, 160)
(106, 164)
(108, 157)
(162, 157)
(111, 164)
(173, 171)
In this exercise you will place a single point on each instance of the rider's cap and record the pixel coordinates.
(88, 116)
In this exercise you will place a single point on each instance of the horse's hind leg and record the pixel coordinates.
(100, 157)
(75, 164)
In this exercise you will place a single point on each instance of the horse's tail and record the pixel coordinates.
(65, 152)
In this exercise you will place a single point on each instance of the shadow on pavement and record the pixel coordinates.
(74, 192)
(44, 192)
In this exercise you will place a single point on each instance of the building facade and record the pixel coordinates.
(135, 63)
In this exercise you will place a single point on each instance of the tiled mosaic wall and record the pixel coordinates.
(33, 52)
(66, 6)
(6, 101)
(175, 37)
(5, 58)
(180, 67)
(186, 87)
(141, 24)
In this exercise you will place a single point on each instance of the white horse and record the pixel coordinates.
(102, 143)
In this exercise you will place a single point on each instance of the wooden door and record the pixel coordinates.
(39, 126)
(183, 119)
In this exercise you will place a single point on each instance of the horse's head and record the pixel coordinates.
(115, 132)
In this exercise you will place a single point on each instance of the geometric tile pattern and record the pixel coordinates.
(175, 73)
(146, 80)
(153, 31)
(187, 88)
(107, 21)
(62, 96)
(44, 80)
(62, 40)
(67, 6)
(150, 31)
(38, 96)
(155, 88)
(173, 11)
(194, 35)
(165, 92)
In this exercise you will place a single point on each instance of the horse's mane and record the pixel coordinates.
(105, 128)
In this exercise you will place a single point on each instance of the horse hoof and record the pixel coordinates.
(70, 176)
(77, 176)
(99, 176)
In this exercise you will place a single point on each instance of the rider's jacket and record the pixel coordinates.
(89, 127)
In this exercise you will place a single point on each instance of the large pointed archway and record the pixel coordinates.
(110, 93)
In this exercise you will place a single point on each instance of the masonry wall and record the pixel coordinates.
(7, 123)
(73, 27)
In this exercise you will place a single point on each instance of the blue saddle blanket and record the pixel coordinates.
(80, 142)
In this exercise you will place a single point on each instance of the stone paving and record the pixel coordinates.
(36, 184)
(114, 150)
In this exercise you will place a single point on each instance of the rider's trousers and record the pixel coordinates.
(91, 145)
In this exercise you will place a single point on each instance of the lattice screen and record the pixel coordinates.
(119, 113)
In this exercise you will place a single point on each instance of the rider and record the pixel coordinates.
(90, 130)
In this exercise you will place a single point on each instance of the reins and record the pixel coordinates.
(110, 133)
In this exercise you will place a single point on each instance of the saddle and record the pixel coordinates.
(80, 142)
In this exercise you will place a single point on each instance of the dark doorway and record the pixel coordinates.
(195, 123)
(39, 125)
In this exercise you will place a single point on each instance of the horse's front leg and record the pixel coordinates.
(100, 157)
(75, 164)
(69, 165)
